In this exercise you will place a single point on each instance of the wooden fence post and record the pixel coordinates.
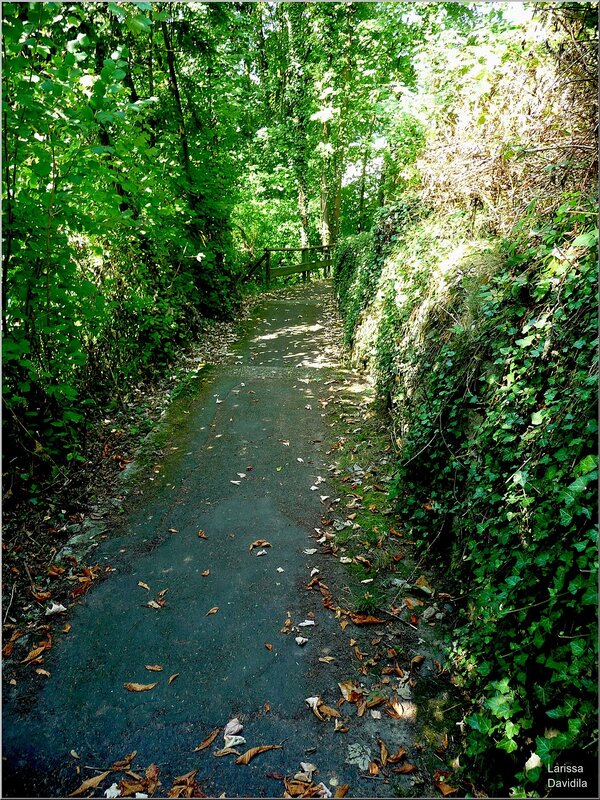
(304, 259)
(268, 266)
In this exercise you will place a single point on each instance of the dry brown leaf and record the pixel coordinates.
(344, 624)
(206, 573)
(351, 691)
(383, 752)
(342, 790)
(9, 646)
(124, 763)
(212, 611)
(139, 687)
(361, 707)
(34, 655)
(365, 619)
(327, 659)
(375, 701)
(202, 535)
(405, 769)
(91, 783)
(144, 585)
(267, 708)
(269, 646)
(416, 661)
(439, 778)
(397, 756)
(41, 671)
(260, 543)
(247, 757)
(339, 727)
(226, 751)
(41, 596)
(153, 604)
(373, 768)
(67, 628)
(208, 741)
(328, 711)
(153, 667)
(173, 677)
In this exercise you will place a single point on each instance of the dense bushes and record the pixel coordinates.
(487, 355)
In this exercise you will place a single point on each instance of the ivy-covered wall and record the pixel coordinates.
(486, 353)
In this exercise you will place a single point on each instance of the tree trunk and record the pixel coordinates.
(173, 83)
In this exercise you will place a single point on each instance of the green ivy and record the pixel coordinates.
(495, 396)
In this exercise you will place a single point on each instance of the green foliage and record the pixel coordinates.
(115, 245)
(490, 365)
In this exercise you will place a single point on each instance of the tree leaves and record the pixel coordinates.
(208, 740)
(139, 687)
(247, 757)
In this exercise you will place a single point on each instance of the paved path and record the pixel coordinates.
(235, 429)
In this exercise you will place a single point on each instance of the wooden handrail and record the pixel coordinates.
(298, 249)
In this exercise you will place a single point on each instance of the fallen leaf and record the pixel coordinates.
(235, 483)
(351, 691)
(33, 655)
(144, 585)
(365, 619)
(54, 571)
(206, 573)
(202, 535)
(173, 677)
(373, 768)
(41, 596)
(344, 624)
(267, 708)
(417, 661)
(310, 551)
(339, 727)
(9, 646)
(439, 780)
(327, 659)
(329, 712)
(383, 752)
(247, 757)
(261, 552)
(153, 604)
(269, 646)
(208, 741)
(300, 641)
(139, 687)
(313, 703)
(233, 726)
(112, 791)
(342, 790)
(397, 756)
(75, 754)
(41, 671)
(173, 530)
(124, 763)
(306, 623)
(234, 741)
(226, 751)
(67, 628)
(405, 769)
(91, 783)
(213, 610)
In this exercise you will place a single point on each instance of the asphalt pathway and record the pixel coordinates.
(239, 466)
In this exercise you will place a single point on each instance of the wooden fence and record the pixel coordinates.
(310, 260)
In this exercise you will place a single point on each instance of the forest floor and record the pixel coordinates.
(256, 514)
